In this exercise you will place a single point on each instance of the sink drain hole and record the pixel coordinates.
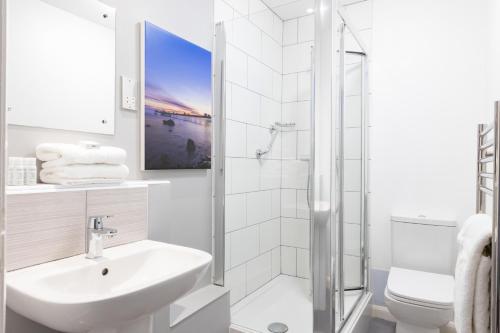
(105, 271)
(277, 328)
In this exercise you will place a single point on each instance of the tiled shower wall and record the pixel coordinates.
(298, 36)
(269, 80)
(253, 92)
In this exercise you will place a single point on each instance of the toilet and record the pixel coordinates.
(420, 287)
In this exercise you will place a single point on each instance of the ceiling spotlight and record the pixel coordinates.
(310, 10)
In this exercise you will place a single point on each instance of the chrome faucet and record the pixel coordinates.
(95, 235)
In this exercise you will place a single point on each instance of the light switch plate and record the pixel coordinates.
(129, 92)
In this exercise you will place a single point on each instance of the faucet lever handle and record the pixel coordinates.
(97, 222)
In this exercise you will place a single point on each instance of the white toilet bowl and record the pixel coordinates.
(421, 302)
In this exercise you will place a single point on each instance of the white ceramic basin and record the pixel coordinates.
(129, 282)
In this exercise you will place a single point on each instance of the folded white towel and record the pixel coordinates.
(474, 236)
(83, 173)
(481, 311)
(58, 154)
(81, 182)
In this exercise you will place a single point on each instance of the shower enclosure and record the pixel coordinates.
(290, 229)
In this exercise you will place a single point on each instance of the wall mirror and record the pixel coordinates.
(61, 65)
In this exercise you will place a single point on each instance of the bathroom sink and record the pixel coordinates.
(128, 284)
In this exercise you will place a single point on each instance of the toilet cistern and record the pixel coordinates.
(94, 237)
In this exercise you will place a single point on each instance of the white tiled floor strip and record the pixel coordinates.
(285, 299)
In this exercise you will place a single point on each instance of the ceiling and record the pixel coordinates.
(290, 9)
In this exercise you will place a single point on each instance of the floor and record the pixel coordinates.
(285, 299)
(381, 326)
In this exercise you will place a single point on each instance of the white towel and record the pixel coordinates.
(58, 154)
(474, 236)
(481, 311)
(84, 174)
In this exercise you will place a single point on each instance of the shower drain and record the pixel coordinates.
(277, 328)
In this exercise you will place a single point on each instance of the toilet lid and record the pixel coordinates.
(421, 287)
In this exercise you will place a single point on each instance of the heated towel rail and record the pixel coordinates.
(488, 178)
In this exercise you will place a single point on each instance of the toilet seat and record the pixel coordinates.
(421, 288)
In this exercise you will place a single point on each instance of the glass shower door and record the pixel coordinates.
(352, 259)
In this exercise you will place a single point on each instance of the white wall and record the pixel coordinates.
(429, 91)
(493, 63)
(191, 188)
(189, 215)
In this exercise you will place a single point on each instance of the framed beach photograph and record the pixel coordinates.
(176, 105)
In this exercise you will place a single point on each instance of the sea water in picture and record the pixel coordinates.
(177, 102)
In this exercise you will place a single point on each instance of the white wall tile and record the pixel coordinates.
(222, 11)
(353, 111)
(306, 28)
(236, 282)
(236, 139)
(277, 86)
(245, 105)
(289, 145)
(257, 138)
(289, 112)
(276, 262)
(353, 80)
(295, 232)
(352, 143)
(269, 235)
(260, 78)
(270, 174)
(229, 99)
(256, 6)
(298, 113)
(229, 175)
(258, 207)
(303, 119)
(352, 234)
(352, 271)
(303, 263)
(294, 174)
(290, 32)
(272, 53)
(289, 261)
(290, 87)
(245, 175)
(302, 207)
(261, 16)
(304, 86)
(259, 272)
(247, 37)
(227, 252)
(352, 207)
(244, 245)
(236, 216)
(277, 29)
(289, 203)
(352, 175)
(303, 144)
(270, 112)
(360, 14)
(240, 5)
(297, 58)
(275, 203)
(236, 66)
